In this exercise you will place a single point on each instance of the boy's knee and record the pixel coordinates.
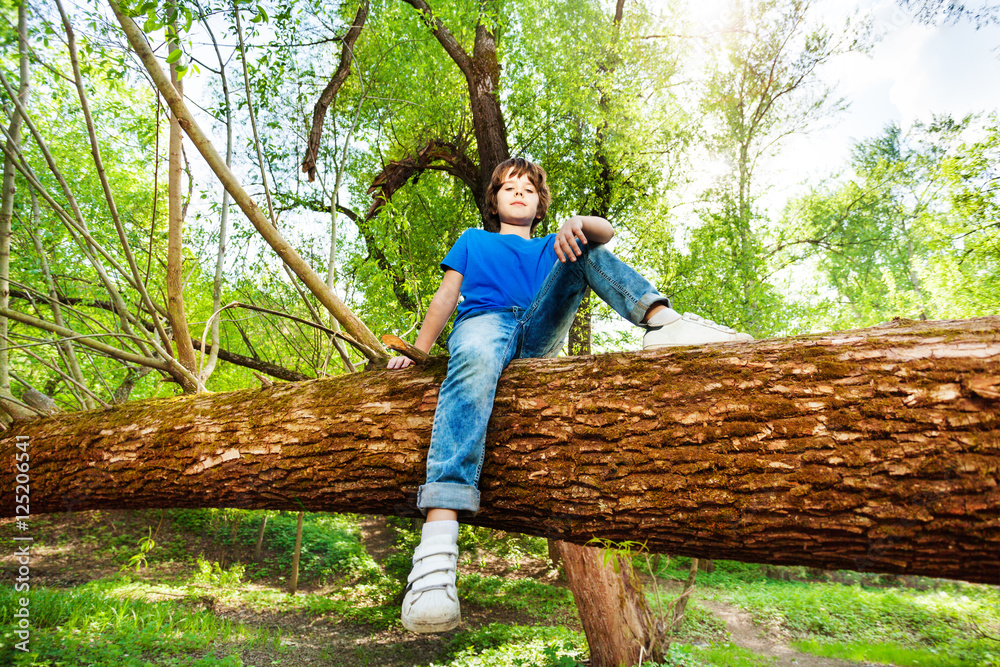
(597, 250)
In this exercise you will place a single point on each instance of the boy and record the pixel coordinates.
(520, 297)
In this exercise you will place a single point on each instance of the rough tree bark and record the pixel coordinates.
(609, 600)
(612, 635)
(874, 450)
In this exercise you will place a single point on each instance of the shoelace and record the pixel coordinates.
(707, 322)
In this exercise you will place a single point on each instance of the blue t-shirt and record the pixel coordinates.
(499, 270)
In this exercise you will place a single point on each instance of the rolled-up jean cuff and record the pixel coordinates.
(645, 303)
(442, 495)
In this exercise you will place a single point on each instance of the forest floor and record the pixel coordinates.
(199, 598)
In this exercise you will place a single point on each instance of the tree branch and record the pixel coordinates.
(234, 358)
(447, 40)
(87, 340)
(397, 173)
(300, 267)
(330, 92)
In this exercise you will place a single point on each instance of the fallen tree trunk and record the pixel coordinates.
(873, 450)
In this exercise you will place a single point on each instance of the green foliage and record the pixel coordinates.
(715, 654)
(913, 233)
(895, 654)
(944, 619)
(539, 600)
(723, 276)
(138, 560)
(497, 645)
(95, 624)
(762, 85)
(621, 123)
(212, 574)
(472, 540)
(724, 572)
(474, 543)
(114, 621)
(683, 655)
(331, 546)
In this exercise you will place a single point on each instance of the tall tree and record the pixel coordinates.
(910, 232)
(13, 138)
(762, 86)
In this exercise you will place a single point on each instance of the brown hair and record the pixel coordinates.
(516, 166)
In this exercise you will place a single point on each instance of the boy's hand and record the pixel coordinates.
(396, 363)
(568, 239)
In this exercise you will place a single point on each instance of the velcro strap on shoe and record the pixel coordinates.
(428, 584)
(708, 323)
(424, 550)
(430, 566)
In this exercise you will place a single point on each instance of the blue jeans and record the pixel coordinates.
(484, 343)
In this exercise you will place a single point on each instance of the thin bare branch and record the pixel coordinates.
(331, 90)
(108, 195)
(88, 340)
(312, 280)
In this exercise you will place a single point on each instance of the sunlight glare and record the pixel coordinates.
(709, 15)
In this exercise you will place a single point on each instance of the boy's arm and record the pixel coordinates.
(442, 306)
(581, 228)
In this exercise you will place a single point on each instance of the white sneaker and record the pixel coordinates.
(670, 329)
(431, 600)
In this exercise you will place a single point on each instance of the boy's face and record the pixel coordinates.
(517, 201)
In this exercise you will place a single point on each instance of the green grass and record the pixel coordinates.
(892, 654)
(851, 612)
(118, 620)
(331, 543)
(938, 624)
(98, 624)
(499, 645)
(722, 654)
(535, 598)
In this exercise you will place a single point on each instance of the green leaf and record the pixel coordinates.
(175, 56)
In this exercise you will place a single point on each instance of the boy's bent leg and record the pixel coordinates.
(618, 284)
(480, 348)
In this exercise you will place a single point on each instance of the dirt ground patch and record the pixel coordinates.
(744, 633)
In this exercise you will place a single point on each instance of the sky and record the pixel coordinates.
(913, 72)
